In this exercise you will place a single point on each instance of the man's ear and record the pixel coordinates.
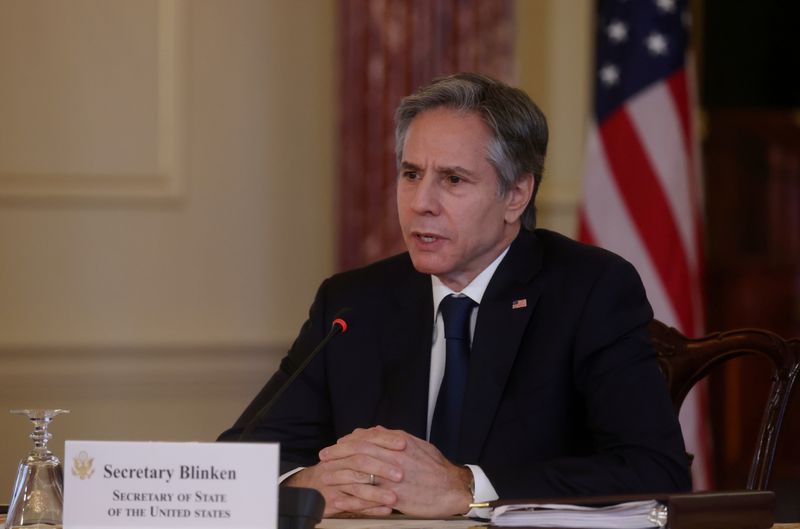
(518, 197)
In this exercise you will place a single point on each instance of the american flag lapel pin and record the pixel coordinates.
(519, 303)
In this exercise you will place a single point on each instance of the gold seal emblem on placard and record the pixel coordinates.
(82, 465)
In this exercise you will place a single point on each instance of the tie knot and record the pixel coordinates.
(455, 313)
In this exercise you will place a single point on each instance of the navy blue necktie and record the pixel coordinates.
(446, 422)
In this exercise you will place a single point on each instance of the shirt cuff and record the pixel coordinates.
(292, 472)
(484, 491)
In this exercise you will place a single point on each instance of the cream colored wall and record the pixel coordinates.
(553, 61)
(155, 305)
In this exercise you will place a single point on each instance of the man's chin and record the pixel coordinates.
(426, 265)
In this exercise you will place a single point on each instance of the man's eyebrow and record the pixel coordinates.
(457, 169)
(446, 169)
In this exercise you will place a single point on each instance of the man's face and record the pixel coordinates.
(453, 222)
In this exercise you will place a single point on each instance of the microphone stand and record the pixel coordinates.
(298, 507)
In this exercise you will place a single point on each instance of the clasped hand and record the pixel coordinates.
(410, 475)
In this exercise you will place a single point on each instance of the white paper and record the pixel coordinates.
(629, 515)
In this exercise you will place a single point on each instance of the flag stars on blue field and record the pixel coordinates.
(640, 42)
(656, 43)
(617, 31)
(667, 6)
(609, 75)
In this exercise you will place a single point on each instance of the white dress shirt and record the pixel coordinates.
(484, 491)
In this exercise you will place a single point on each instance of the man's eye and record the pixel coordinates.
(411, 175)
(453, 179)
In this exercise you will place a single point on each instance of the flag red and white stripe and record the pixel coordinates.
(642, 196)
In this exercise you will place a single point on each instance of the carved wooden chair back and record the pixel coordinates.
(685, 361)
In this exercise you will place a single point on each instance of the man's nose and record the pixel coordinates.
(426, 197)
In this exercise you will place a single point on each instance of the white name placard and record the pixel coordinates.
(170, 485)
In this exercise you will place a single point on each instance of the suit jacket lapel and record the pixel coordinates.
(496, 341)
(406, 348)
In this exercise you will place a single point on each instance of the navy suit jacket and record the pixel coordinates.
(564, 396)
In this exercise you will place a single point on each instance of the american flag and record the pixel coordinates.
(642, 197)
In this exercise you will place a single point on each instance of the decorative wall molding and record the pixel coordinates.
(132, 393)
(134, 371)
(72, 102)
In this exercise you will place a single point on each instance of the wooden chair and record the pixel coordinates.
(685, 361)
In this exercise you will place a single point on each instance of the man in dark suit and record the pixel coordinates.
(546, 386)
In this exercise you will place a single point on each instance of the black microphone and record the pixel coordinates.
(338, 326)
(298, 507)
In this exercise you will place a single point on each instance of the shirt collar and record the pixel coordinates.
(474, 290)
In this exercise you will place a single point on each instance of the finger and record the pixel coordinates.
(352, 448)
(357, 469)
(337, 501)
(347, 476)
(377, 511)
(346, 503)
(358, 497)
(426, 448)
(390, 439)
